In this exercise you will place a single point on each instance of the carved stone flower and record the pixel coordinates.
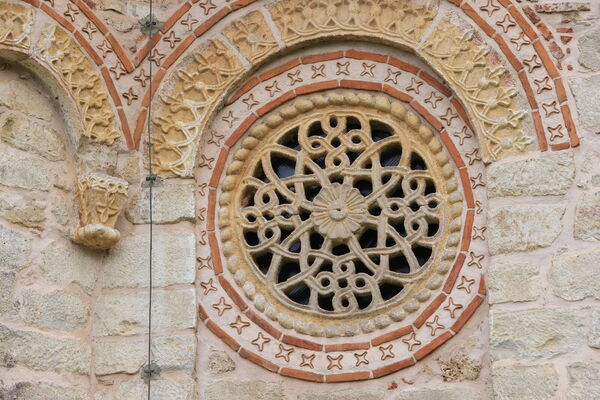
(338, 211)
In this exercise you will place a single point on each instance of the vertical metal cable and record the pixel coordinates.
(150, 179)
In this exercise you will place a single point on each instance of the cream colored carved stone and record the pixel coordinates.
(398, 20)
(252, 36)
(81, 79)
(184, 113)
(484, 87)
(15, 25)
(100, 198)
(340, 210)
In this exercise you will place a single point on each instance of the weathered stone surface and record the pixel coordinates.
(174, 261)
(534, 333)
(219, 363)
(31, 136)
(30, 214)
(589, 50)
(523, 177)
(585, 91)
(59, 310)
(25, 172)
(588, 173)
(437, 394)
(513, 282)
(42, 352)
(587, 217)
(42, 391)
(584, 380)
(536, 382)
(65, 263)
(172, 202)
(460, 368)
(94, 157)
(575, 276)
(344, 394)
(19, 95)
(15, 249)
(122, 356)
(7, 303)
(161, 389)
(175, 353)
(594, 334)
(126, 314)
(243, 390)
(523, 227)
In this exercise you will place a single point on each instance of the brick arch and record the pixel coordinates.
(515, 110)
(63, 67)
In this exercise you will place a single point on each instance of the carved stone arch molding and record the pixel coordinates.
(254, 111)
(38, 43)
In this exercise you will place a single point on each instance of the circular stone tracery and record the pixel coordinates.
(339, 215)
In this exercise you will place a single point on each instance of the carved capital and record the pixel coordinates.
(100, 198)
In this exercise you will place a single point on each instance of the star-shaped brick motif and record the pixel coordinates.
(207, 6)
(105, 48)
(449, 116)
(307, 360)
(89, 29)
(142, 77)
(477, 180)
(208, 286)
(433, 99)
(294, 77)
(451, 307)
(392, 76)
(556, 132)
(335, 362)
(204, 262)
(550, 108)
(189, 21)
(215, 139)
(532, 63)
(118, 70)
(465, 284)
(411, 341)
(273, 89)
(478, 233)
(221, 306)
(130, 96)
(490, 8)
(542, 84)
(520, 41)
(239, 325)
(475, 260)
(156, 57)
(229, 118)
(473, 156)
(71, 12)
(318, 70)
(172, 39)
(506, 23)
(284, 352)
(250, 101)
(361, 358)
(367, 70)
(206, 161)
(462, 135)
(434, 325)
(342, 68)
(386, 352)
(414, 86)
(260, 341)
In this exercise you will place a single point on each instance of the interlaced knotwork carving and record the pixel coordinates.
(339, 213)
(15, 25)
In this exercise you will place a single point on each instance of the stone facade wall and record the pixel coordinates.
(74, 321)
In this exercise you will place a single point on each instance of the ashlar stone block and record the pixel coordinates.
(586, 91)
(523, 227)
(25, 172)
(513, 282)
(171, 202)
(587, 217)
(522, 177)
(120, 357)
(534, 333)
(65, 263)
(576, 276)
(161, 389)
(584, 380)
(532, 382)
(244, 390)
(594, 333)
(58, 310)
(15, 249)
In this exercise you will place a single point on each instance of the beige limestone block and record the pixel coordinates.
(587, 100)
(534, 333)
(118, 357)
(523, 227)
(15, 249)
(594, 333)
(532, 382)
(8, 306)
(343, 394)
(523, 178)
(161, 389)
(25, 172)
(65, 263)
(175, 353)
(243, 390)
(219, 363)
(29, 214)
(171, 202)
(31, 136)
(438, 394)
(589, 50)
(42, 352)
(58, 310)
(584, 380)
(174, 261)
(19, 95)
(576, 276)
(43, 391)
(127, 314)
(587, 217)
(513, 282)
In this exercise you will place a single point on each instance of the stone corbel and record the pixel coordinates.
(100, 198)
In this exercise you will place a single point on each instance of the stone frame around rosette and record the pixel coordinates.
(252, 334)
(420, 138)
